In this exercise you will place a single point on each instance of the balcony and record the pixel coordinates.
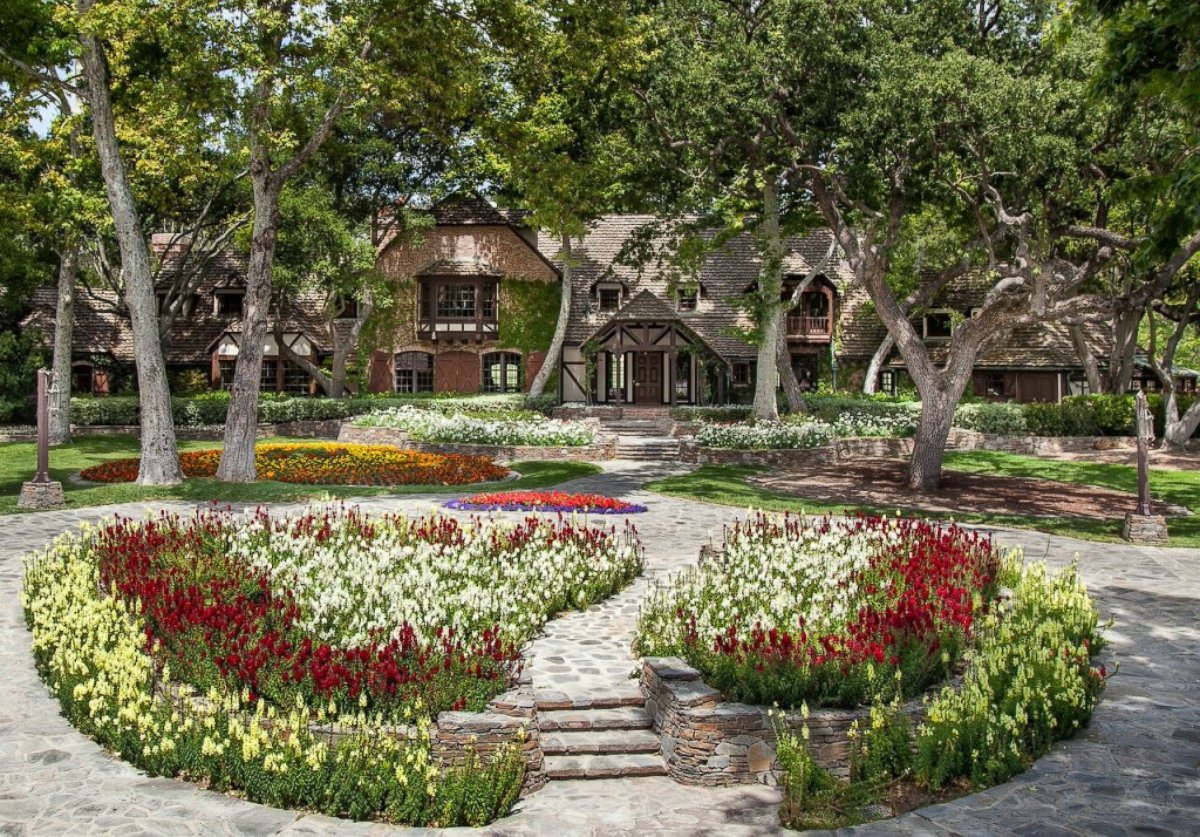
(804, 327)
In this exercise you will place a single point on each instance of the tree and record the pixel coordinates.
(557, 130)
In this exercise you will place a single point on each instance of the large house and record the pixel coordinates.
(634, 336)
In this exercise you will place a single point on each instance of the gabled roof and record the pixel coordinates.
(648, 308)
(464, 208)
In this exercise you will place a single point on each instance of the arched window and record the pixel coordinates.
(414, 372)
(502, 372)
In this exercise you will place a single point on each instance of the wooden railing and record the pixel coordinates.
(801, 325)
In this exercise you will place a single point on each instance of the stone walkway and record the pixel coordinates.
(1136, 769)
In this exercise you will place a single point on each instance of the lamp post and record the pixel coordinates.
(42, 492)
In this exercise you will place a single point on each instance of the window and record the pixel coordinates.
(269, 382)
(295, 379)
(502, 372)
(488, 302)
(939, 325)
(741, 374)
(683, 377)
(81, 378)
(414, 372)
(887, 382)
(347, 307)
(456, 302)
(615, 372)
(610, 299)
(225, 368)
(687, 300)
(229, 303)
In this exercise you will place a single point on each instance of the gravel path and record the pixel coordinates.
(1136, 769)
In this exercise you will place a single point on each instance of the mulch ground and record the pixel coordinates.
(881, 483)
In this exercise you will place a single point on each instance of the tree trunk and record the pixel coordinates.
(1091, 368)
(160, 453)
(929, 445)
(560, 328)
(1121, 361)
(871, 382)
(766, 378)
(241, 424)
(787, 375)
(1177, 432)
(64, 325)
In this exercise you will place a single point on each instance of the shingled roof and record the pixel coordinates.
(725, 275)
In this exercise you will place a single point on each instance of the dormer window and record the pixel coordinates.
(610, 298)
(228, 303)
(938, 326)
(687, 299)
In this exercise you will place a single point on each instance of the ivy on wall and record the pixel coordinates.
(528, 314)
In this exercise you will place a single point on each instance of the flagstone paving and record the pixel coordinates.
(1136, 769)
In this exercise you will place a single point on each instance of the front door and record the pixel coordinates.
(647, 378)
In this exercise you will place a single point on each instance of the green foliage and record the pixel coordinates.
(528, 314)
(989, 417)
(188, 382)
(1029, 683)
(20, 359)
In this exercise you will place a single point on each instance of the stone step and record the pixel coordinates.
(604, 767)
(602, 742)
(547, 701)
(621, 717)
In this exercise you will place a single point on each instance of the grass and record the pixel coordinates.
(18, 462)
(727, 485)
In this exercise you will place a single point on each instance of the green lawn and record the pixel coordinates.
(18, 462)
(726, 485)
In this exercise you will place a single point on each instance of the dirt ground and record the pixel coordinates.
(881, 483)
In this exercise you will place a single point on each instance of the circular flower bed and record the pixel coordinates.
(802, 609)
(328, 463)
(546, 501)
(284, 626)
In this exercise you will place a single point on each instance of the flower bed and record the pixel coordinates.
(328, 464)
(813, 609)
(285, 625)
(546, 501)
(766, 435)
(432, 426)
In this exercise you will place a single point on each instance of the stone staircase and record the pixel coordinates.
(644, 435)
(598, 738)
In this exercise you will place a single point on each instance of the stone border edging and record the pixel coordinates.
(706, 741)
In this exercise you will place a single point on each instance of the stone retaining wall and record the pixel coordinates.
(706, 741)
(1034, 445)
(605, 447)
(510, 718)
(689, 451)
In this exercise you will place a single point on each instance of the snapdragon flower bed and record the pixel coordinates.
(545, 501)
(432, 426)
(799, 609)
(375, 622)
(321, 463)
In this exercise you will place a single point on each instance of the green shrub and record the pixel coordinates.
(1113, 415)
(713, 412)
(9, 409)
(989, 417)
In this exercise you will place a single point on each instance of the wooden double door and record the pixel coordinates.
(647, 377)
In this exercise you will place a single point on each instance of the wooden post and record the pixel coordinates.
(1145, 431)
(1143, 526)
(42, 492)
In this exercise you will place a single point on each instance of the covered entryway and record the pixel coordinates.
(646, 356)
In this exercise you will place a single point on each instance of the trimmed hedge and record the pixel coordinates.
(1076, 415)
(211, 408)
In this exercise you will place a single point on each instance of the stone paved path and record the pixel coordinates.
(1136, 769)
